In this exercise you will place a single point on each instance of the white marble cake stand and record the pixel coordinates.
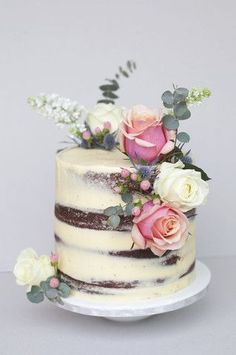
(144, 309)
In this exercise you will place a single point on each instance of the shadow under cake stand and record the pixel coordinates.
(144, 309)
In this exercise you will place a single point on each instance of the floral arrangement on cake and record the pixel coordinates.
(160, 191)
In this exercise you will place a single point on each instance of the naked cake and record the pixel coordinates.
(126, 198)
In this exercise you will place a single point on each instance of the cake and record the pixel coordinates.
(126, 198)
(96, 260)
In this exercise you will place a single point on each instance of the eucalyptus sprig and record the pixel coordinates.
(114, 213)
(53, 294)
(177, 107)
(109, 90)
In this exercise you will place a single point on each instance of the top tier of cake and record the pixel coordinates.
(85, 178)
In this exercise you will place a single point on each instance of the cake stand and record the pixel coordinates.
(144, 309)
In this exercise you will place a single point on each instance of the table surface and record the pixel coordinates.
(206, 327)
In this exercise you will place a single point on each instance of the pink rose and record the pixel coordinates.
(160, 228)
(143, 136)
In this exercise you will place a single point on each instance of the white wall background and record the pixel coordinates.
(69, 47)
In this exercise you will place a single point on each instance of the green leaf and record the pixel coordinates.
(127, 197)
(110, 94)
(129, 66)
(35, 289)
(64, 290)
(119, 211)
(114, 82)
(168, 99)
(109, 87)
(109, 211)
(170, 122)
(180, 94)
(44, 285)
(183, 137)
(51, 293)
(35, 296)
(104, 101)
(181, 111)
(204, 175)
(129, 208)
(123, 72)
(114, 221)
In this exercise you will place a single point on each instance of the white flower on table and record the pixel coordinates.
(31, 269)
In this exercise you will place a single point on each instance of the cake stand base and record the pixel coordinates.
(144, 309)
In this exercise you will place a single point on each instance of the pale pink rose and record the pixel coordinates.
(160, 228)
(142, 134)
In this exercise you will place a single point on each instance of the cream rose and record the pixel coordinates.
(104, 113)
(30, 269)
(182, 188)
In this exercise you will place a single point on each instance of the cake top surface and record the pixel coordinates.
(94, 157)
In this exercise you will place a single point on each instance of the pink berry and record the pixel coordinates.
(145, 185)
(86, 135)
(53, 258)
(97, 130)
(107, 125)
(117, 189)
(124, 173)
(133, 176)
(136, 211)
(54, 282)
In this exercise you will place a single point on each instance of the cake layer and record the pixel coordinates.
(90, 259)
(85, 178)
(96, 260)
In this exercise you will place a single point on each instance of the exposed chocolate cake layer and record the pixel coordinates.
(139, 254)
(94, 220)
(190, 269)
(97, 286)
(81, 285)
(90, 220)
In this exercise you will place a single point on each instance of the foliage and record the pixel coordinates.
(109, 89)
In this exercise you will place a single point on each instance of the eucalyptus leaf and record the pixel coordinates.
(185, 116)
(180, 109)
(168, 99)
(180, 94)
(114, 82)
(109, 87)
(64, 290)
(110, 95)
(109, 211)
(129, 66)
(129, 208)
(123, 72)
(51, 293)
(106, 101)
(204, 175)
(44, 285)
(183, 137)
(35, 297)
(35, 289)
(127, 197)
(114, 221)
(170, 122)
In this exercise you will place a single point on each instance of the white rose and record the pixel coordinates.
(182, 188)
(104, 113)
(31, 270)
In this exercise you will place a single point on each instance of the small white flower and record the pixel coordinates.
(182, 188)
(104, 113)
(60, 109)
(30, 269)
